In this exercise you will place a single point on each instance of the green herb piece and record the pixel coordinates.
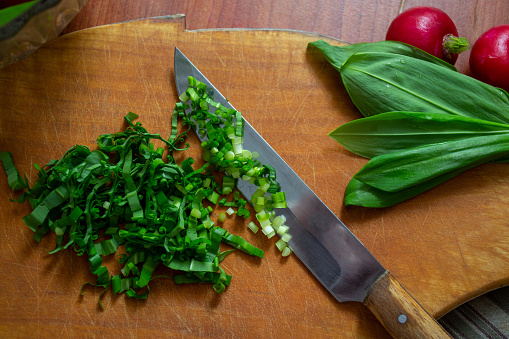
(239, 243)
(54, 198)
(13, 178)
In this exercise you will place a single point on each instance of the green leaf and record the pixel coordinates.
(337, 55)
(383, 82)
(397, 131)
(397, 171)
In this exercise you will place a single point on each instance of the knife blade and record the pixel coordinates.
(323, 243)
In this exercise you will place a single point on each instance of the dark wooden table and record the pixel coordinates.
(349, 20)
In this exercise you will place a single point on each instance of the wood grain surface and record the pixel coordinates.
(348, 20)
(445, 246)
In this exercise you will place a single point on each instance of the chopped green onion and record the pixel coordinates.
(279, 200)
(268, 230)
(281, 230)
(262, 215)
(286, 251)
(221, 217)
(278, 221)
(281, 244)
(195, 213)
(286, 237)
(252, 226)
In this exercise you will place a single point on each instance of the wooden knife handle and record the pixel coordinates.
(399, 312)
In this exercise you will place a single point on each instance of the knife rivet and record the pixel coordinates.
(402, 318)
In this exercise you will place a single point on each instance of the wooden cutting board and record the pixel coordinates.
(445, 246)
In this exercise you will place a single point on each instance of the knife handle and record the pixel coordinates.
(399, 312)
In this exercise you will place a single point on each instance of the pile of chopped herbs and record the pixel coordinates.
(124, 194)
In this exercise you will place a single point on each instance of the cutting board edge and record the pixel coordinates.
(182, 17)
(180, 21)
(467, 297)
(155, 19)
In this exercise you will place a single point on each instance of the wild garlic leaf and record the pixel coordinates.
(397, 131)
(397, 171)
(358, 193)
(384, 82)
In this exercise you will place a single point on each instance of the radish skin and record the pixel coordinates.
(429, 29)
(489, 58)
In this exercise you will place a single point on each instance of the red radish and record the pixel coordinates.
(489, 58)
(429, 29)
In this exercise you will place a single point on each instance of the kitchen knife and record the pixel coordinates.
(323, 243)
